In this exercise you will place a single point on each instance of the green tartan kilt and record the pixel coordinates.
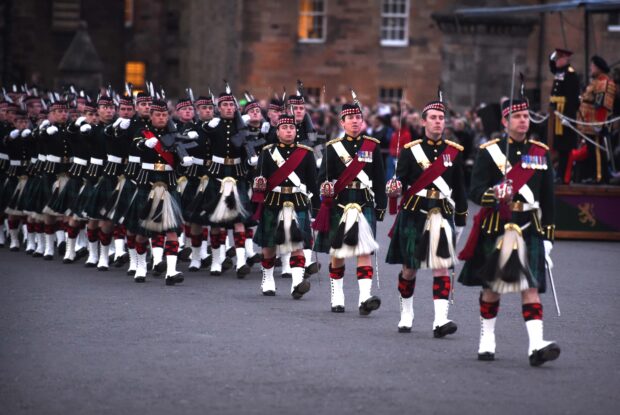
(99, 196)
(7, 188)
(265, 234)
(119, 211)
(84, 195)
(406, 236)
(209, 200)
(187, 197)
(37, 193)
(469, 275)
(324, 239)
(141, 203)
(67, 197)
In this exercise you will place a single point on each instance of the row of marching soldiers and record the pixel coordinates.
(144, 180)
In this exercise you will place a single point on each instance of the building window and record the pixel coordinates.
(614, 22)
(394, 22)
(312, 24)
(313, 92)
(65, 15)
(134, 73)
(129, 13)
(390, 94)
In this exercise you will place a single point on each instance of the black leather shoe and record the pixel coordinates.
(338, 309)
(139, 279)
(546, 354)
(48, 257)
(206, 262)
(227, 264)
(230, 252)
(243, 271)
(159, 268)
(121, 260)
(370, 305)
(184, 254)
(269, 293)
(442, 331)
(301, 288)
(287, 275)
(486, 356)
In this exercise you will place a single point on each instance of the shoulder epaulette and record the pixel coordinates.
(412, 143)
(304, 147)
(268, 146)
(538, 143)
(489, 143)
(372, 139)
(334, 141)
(455, 145)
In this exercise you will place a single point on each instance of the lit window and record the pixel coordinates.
(395, 23)
(128, 13)
(613, 24)
(312, 21)
(134, 73)
(390, 94)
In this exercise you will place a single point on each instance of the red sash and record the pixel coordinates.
(428, 176)
(166, 155)
(277, 178)
(519, 177)
(349, 174)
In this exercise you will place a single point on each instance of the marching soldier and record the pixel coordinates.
(597, 103)
(510, 244)
(431, 219)
(353, 193)
(564, 99)
(287, 192)
(157, 202)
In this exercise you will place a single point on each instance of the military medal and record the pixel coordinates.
(447, 161)
(364, 156)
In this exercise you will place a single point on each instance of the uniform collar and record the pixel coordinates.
(434, 143)
(349, 138)
(511, 141)
(283, 145)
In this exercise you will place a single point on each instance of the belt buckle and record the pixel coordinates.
(159, 167)
(286, 190)
(432, 194)
(229, 161)
(517, 206)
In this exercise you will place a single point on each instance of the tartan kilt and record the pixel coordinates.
(67, 197)
(188, 194)
(39, 191)
(83, 196)
(14, 205)
(142, 203)
(131, 220)
(99, 196)
(324, 239)
(407, 233)
(7, 188)
(265, 234)
(469, 275)
(210, 199)
(118, 212)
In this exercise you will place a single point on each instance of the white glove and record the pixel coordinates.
(125, 123)
(80, 121)
(14, 134)
(214, 122)
(253, 161)
(44, 124)
(151, 142)
(245, 118)
(548, 247)
(26, 133)
(51, 130)
(86, 128)
(459, 232)
(192, 134)
(265, 127)
(187, 161)
(117, 122)
(319, 162)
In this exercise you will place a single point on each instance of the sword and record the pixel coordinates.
(555, 295)
(377, 267)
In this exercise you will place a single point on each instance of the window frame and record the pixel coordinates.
(395, 42)
(135, 73)
(393, 94)
(313, 13)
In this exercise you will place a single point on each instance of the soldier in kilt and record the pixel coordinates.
(228, 173)
(431, 217)
(157, 202)
(8, 112)
(18, 149)
(194, 184)
(512, 236)
(57, 161)
(79, 134)
(103, 174)
(350, 207)
(287, 192)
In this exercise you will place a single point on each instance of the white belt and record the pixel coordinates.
(15, 162)
(4, 156)
(151, 166)
(198, 161)
(33, 160)
(53, 159)
(134, 159)
(114, 159)
(221, 160)
(293, 189)
(42, 157)
(98, 162)
(81, 162)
